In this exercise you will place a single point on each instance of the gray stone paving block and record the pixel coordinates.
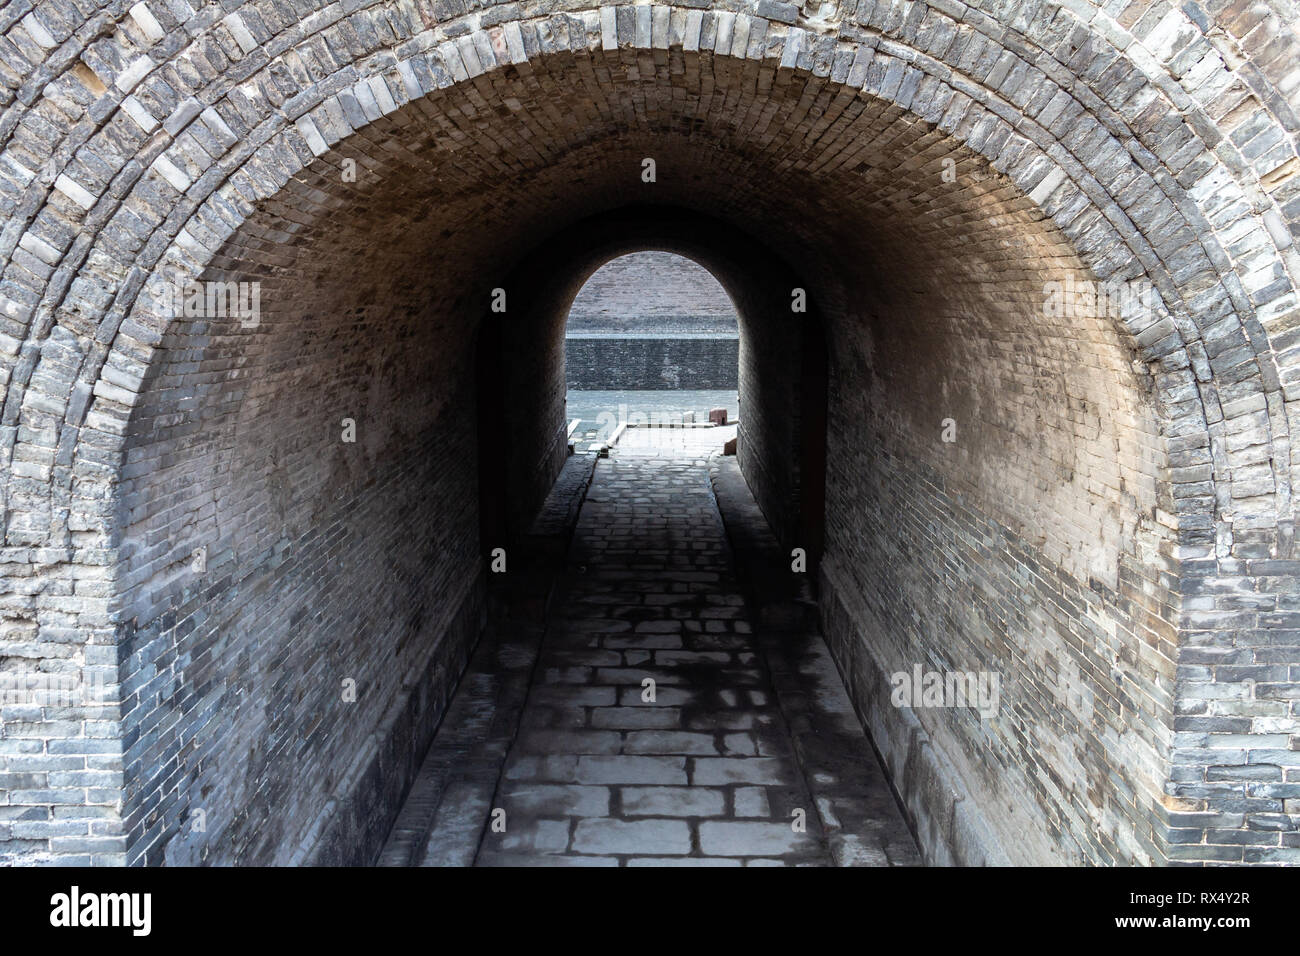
(667, 696)
(632, 836)
(571, 742)
(555, 800)
(727, 719)
(743, 745)
(642, 642)
(673, 801)
(688, 861)
(494, 858)
(670, 742)
(751, 802)
(719, 771)
(725, 838)
(529, 836)
(636, 718)
(559, 768)
(626, 769)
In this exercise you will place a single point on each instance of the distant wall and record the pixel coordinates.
(674, 292)
(651, 320)
(638, 363)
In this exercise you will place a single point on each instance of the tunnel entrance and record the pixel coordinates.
(269, 535)
(1052, 461)
(1052, 467)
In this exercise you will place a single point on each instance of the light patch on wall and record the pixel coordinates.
(89, 79)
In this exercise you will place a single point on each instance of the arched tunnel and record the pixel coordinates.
(1016, 295)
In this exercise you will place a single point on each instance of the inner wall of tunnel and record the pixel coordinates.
(1025, 548)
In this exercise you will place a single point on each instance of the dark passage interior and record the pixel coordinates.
(651, 688)
(649, 692)
(973, 482)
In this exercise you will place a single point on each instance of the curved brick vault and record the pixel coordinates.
(1112, 531)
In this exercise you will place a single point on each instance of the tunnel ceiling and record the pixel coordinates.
(857, 186)
(455, 189)
(1092, 133)
(536, 122)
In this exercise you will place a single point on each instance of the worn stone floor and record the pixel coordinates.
(640, 722)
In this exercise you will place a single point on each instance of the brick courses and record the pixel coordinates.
(1113, 529)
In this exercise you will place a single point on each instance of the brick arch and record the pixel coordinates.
(87, 360)
(882, 26)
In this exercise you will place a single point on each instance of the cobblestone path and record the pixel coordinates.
(651, 733)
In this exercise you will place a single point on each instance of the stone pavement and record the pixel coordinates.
(651, 733)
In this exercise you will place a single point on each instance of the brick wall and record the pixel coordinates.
(770, 432)
(650, 363)
(1118, 502)
(1019, 549)
(651, 320)
(672, 291)
(337, 586)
